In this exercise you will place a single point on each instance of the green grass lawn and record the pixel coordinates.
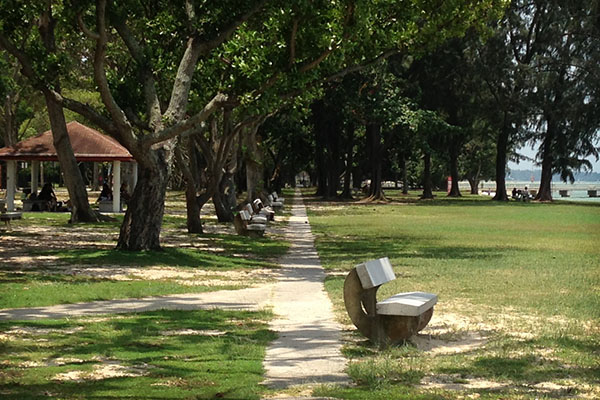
(153, 355)
(53, 248)
(526, 277)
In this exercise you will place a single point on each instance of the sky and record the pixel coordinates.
(529, 152)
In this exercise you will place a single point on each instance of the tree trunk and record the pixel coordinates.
(10, 130)
(454, 189)
(81, 210)
(545, 190)
(427, 184)
(347, 192)
(147, 205)
(474, 184)
(404, 176)
(189, 170)
(254, 164)
(375, 146)
(224, 199)
(501, 149)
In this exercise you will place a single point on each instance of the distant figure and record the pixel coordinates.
(526, 194)
(514, 193)
(125, 196)
(106, 193)
(47, 195)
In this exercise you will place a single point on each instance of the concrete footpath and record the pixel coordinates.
(308, 348)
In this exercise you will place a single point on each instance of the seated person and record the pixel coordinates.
(47, 195)
(125, 196)
(106, 193)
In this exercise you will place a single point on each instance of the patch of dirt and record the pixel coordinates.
(193, 332)
(105, 370)
(18, 332)
(456, 382)
(450, 333)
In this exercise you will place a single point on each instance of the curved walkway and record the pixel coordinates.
(307, 350)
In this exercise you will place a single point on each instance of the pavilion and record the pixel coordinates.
(88, 145)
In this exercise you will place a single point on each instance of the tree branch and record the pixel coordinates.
(192, 123)
(150, 94)
(194, 49)
(111, 105)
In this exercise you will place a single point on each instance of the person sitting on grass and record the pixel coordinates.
(47, 195)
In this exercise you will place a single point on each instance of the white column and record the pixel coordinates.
(116, 186)
(135, 176)
(35, 173)
(11, 184)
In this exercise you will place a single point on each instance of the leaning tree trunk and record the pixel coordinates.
(501, 150)
(81, 210)
(427, 184)
(147, 204)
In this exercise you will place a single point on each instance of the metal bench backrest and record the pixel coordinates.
(375, 272)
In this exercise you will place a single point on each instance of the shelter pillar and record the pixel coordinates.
(11, 184)
(116, 186)
(35, 173)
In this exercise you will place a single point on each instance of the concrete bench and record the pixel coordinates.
(244, 226)
(255, 218)
(106, 206)
(35, 205)
(278, 198)
(275, 203)
(391, 320)
(259, 208)
(7, 217)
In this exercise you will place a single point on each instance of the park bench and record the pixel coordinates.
(254, 217)
(7, 217)
(106, 206)
(275, 203)
(244, 226)
(276, 197)
(259, 208)
(391, 320)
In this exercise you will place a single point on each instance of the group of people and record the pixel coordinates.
(46, 199)
(521, 195)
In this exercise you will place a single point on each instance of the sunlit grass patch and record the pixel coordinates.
(518, 313)
(161, 354)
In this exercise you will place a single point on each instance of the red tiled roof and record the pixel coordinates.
(88, 145)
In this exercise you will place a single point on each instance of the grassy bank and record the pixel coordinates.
(519, 282)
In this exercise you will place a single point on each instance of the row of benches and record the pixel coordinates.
(252, 219)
